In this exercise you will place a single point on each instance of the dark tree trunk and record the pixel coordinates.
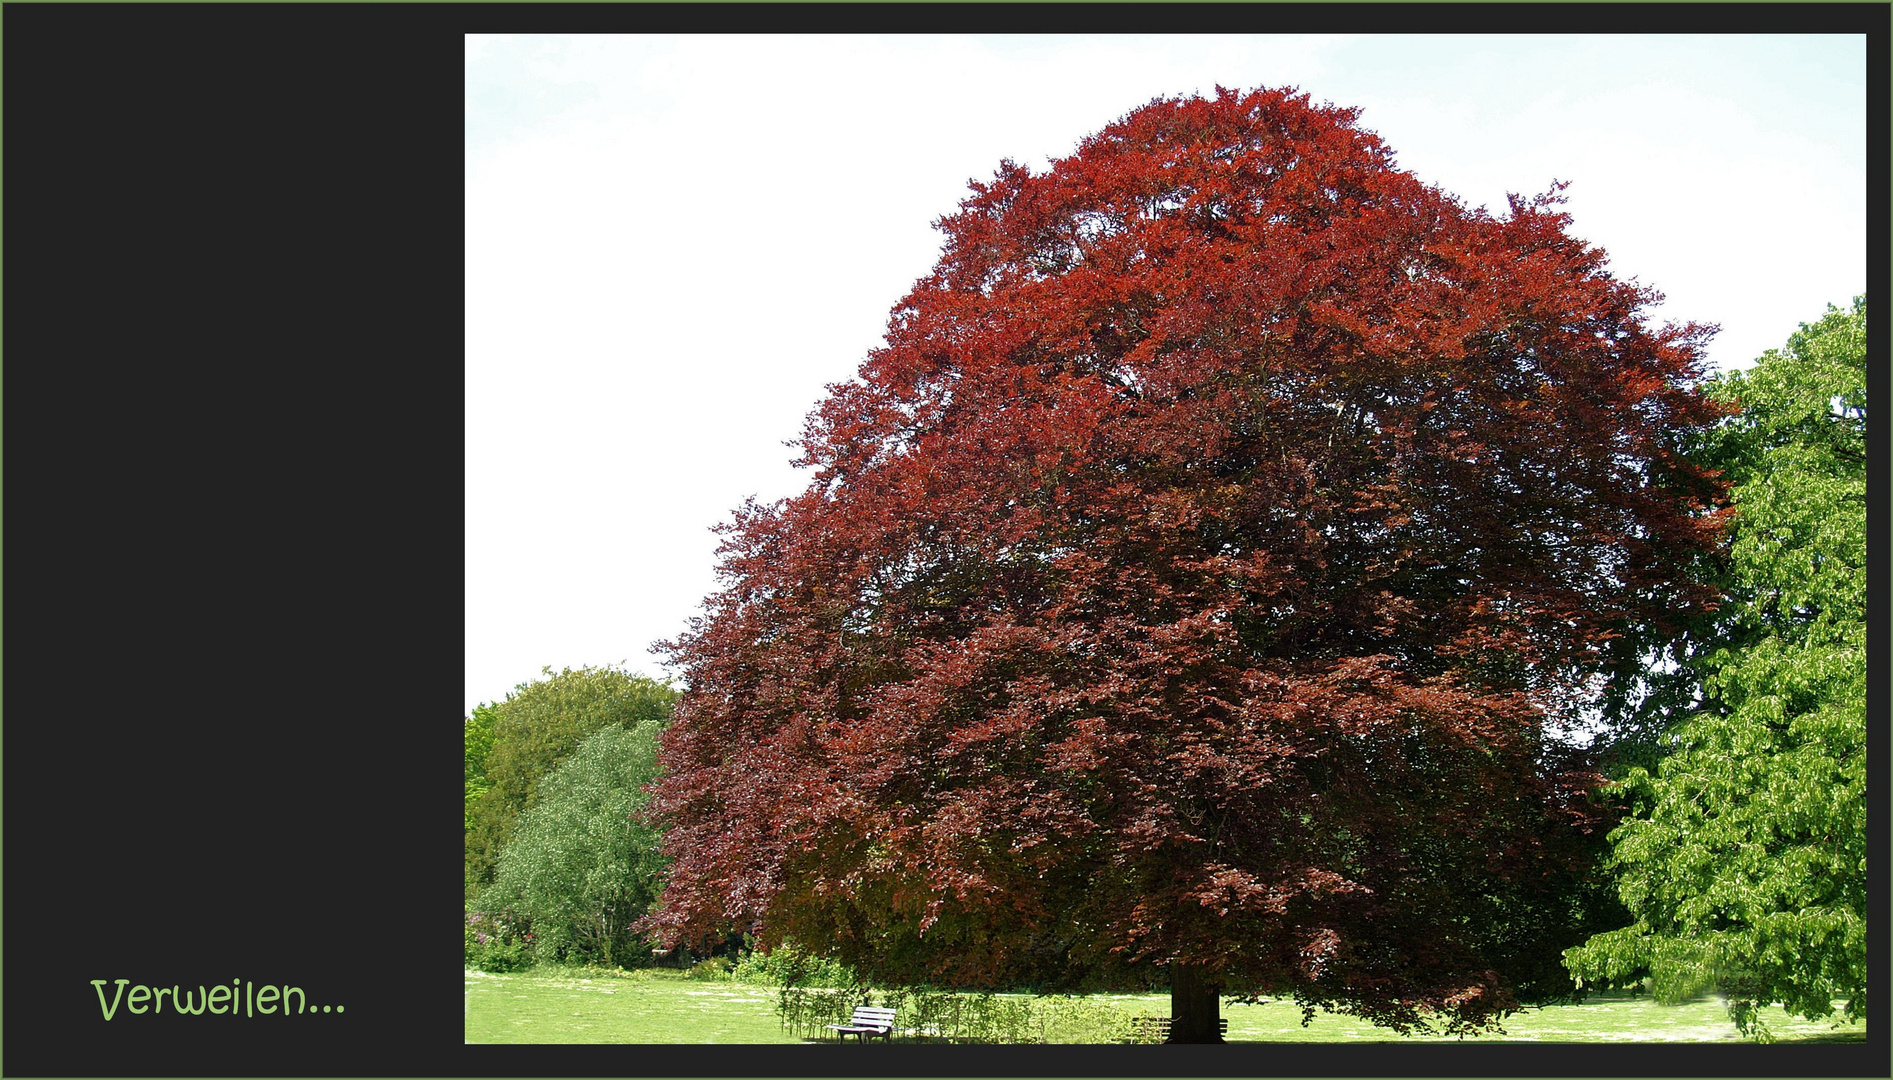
(1194, 1007)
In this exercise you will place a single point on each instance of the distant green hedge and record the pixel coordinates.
(957, 1017)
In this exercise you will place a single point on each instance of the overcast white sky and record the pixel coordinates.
(674, 243)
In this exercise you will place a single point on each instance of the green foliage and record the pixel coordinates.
(815, 991)
(496, 944)
(971, 1018)
(805, 1012)
(1745, 861)
(519, 740)
(792, 966)
(581, 866)
(1011, 1019)
(709, 969)
(1008, 1019)
(477, 736)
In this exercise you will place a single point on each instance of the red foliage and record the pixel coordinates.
(1188, 581)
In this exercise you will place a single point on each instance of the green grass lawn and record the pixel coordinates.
(654, 1006)
(647, 1006)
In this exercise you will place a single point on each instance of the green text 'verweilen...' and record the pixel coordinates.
(240, 998)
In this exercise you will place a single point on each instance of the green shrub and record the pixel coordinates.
(581, 867)
(1082, 1020)
(989, 1018)
(806, 1011)
(789, 965)
(969, 1018)
(712, 969)
(1009, 1019)
(814, 992)
(495, 943)
(511, 746)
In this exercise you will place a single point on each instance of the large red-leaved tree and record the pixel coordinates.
(1188, 590)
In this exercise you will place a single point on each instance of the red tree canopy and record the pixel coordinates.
(1189, 582)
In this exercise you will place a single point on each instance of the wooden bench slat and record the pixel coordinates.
(867, 1020)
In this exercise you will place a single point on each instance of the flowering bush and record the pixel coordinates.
(496, 944)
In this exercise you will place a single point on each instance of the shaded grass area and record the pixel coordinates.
(655, 1006)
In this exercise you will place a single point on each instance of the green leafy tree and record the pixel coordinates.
(1745, 862)
(477, 735)
(580, 866)
(533, 730)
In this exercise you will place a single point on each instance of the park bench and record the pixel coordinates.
(867, 1021)
(1157, 1028)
